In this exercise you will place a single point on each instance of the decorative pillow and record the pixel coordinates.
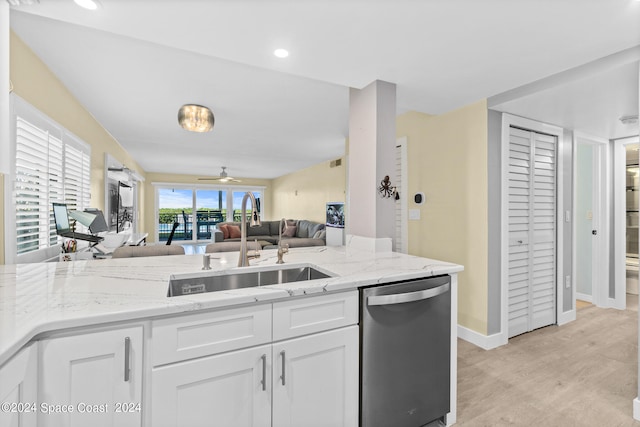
(234, 231)
(225, 230)
(320, 234)
(290, 231)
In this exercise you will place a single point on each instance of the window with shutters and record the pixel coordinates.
(51, 165)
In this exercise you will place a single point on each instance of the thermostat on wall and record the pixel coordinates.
(419, 198)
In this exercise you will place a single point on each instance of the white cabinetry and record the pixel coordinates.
(230, 389)
(19, 389)
(226, 367)
(315, 381)
(92, 379)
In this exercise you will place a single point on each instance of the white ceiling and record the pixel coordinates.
(132, 63)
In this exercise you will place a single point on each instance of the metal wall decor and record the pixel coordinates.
(387, 190)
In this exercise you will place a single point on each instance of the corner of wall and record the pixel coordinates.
(304, 193)
(448, 161)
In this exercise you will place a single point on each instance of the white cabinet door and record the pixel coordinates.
(19, 389)
(92, 379)
(230, 389)
(315, 380)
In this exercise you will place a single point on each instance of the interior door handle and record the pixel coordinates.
(282, 376)
(264, 372)
(594, 232)
(408, 296)
(127, 356)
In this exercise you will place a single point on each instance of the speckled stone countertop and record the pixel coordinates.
(41, 298)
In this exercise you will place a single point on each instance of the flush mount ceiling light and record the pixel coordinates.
(281, 53)
(195, 118)
(87, 4)
(629, 120)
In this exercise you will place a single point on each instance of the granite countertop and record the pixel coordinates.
(46, 297)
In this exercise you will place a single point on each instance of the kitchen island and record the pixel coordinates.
(56, 302)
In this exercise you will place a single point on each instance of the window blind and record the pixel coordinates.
(51, 166)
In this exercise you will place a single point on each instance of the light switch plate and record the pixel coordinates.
(414, 214)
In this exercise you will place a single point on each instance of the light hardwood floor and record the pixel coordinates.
(581, 374)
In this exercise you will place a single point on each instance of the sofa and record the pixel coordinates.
(297, 233)
(149, 250)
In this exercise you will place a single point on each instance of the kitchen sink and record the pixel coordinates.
(223, 282)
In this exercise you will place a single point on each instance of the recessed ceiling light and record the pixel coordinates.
(281, 53)
(87, 4)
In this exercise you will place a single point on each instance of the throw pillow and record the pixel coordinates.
(234, 231)
(320, 234)
(225, 230)
(290, 231)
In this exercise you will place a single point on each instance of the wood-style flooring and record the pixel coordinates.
(583, 374)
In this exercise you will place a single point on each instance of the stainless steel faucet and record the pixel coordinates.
(282, 248)
(243, 260)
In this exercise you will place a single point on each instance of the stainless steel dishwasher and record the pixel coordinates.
(405, 351)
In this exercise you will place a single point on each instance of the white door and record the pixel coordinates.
(230, 389)
(532, 230)
(315, 380)
(591, 212)
(19, 389)
(92, 375)
(584, 225)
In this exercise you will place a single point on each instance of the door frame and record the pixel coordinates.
(619, 300)
(509, 120)
(601, 209)
(404, 194)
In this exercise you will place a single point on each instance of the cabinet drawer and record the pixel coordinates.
(314, 314)
(198, 335)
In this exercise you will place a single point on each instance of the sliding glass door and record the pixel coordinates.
(212, 209)
(175, 205)
(197, 209)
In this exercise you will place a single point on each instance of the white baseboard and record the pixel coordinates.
(636, 409)
(486, 342)
(566, 317)
(584, 297)
(613, 303)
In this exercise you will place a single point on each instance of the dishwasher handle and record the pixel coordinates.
(408, 296)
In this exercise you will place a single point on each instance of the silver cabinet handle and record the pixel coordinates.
(282, 376)
(127, 351)
(408, 296)
(264, 372)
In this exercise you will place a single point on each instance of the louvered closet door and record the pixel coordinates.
(532, 231)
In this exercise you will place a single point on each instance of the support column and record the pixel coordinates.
(372, 141)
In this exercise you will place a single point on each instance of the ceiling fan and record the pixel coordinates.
(224, 177)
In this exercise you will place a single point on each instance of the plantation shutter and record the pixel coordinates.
(51, 166)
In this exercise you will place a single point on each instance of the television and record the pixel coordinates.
(335, 214)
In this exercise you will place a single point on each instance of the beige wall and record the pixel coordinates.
(35, 83)
(303, 194)
(150, 194)
(447, 160)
